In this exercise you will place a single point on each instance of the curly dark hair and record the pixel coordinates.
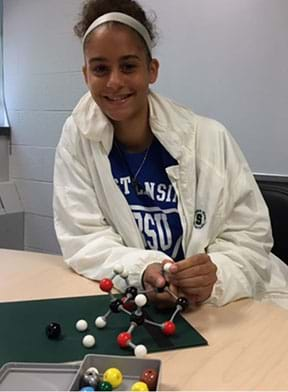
(92, 9)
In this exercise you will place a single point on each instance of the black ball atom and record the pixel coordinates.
(53, 331)
(183, 302)
(114, 305)
(132, 291)
(137, 318)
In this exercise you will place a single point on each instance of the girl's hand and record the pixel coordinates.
(154, 282)
(194, 277)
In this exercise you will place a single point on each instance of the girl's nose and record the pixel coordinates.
(115, 79)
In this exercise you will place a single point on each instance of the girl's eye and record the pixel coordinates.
(128, 67)
(100, 70)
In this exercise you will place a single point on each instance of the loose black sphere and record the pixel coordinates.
(53, 330)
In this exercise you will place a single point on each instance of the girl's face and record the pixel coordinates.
(118, 72)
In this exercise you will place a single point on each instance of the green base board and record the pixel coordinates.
(23, 337)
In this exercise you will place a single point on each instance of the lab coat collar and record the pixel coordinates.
(94, 125)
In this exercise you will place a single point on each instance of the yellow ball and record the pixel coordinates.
(139, 386)
(114, 376)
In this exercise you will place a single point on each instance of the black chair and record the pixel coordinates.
(276, 197)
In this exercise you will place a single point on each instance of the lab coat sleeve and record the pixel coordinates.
(90, 245)
(241, 248)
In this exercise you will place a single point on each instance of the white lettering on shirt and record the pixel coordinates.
(153, 222)
(125, 181)
(161, 192)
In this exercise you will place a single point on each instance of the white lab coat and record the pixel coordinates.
(220, 206)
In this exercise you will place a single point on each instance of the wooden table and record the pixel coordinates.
(248, 341)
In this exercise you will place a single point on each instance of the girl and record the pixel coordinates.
(140, 180)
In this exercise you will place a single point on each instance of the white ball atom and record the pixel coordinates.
(118, 269)
(88, 341)
(167, 267)
(100, 322)
(81, 325)
(140, 351)
(140, 300)
(124, 274)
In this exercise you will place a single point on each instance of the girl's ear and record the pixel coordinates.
(153, 70)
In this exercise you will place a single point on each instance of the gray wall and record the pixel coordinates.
(225, 59)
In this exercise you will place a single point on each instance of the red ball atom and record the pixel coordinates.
(106, 285)
(123, 339)
(128, 304)
(169, 328)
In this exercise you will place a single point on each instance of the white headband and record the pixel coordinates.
(121, 18)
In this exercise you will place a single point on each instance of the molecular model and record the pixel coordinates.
(132, 299)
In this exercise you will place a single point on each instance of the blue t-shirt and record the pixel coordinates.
(151, 197)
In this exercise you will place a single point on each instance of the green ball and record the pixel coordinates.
(104, 386)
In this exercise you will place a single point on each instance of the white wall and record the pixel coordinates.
(43, 82)
(225, 59)
(228, 59)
